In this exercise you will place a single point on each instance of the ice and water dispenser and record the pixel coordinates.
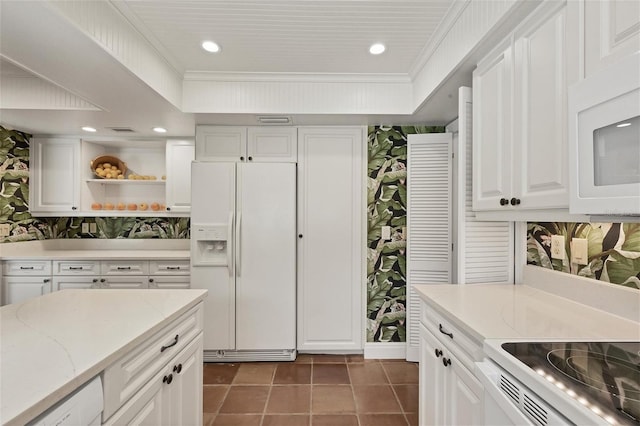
(210, 245)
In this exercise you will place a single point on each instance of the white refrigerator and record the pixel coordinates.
(243, 250)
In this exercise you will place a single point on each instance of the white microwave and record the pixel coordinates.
(604, 141)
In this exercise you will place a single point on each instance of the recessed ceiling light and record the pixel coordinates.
(88, 129)
(210, 46)
(376, 48)
(160, 130)
(624, 125)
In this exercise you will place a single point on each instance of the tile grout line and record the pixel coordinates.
(393, 389)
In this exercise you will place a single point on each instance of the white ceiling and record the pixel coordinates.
(312, 36)
(317, 37)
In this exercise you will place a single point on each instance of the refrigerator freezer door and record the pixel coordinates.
(266, 281)
(213, 189)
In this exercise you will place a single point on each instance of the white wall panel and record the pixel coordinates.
(35, 93)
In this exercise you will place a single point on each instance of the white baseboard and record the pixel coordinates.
(385, 350)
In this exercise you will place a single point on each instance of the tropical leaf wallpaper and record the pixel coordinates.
(387, 206)
(613, 253)
(14, 206)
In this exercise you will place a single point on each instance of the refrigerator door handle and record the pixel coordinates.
(230, 264)
(238, 244)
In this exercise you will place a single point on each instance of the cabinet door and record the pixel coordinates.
(182, 396)
(19, 289)
(492, 138)
(62, 283)
(179, 156)
(221, 143)
(465, 404)
(611, 31)
(168, 282)
(55, 177)
(540, 162)
(432, 374)
(144, 408)
(272, 144)
(135, 281)
(331, 208)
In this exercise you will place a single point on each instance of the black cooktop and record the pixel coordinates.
(605, 377)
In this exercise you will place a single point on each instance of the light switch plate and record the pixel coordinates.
(93, 228)
(386, 232)
(85, 228)
(580, 251)
(5, 228)
(557, 247)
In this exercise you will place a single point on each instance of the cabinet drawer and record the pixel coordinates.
(129, 374)
(170, 282)
(80, 267)
(27, 267)
(169, 267)
(125, 267)
(466, 349)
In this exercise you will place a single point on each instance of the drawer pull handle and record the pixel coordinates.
(175, 342)
(177, 368)
(124, 268)
(444, 332)
(26, 268)
(167, 379)
(438, 353)
(446, 362)
(173, 268)
(75, 268)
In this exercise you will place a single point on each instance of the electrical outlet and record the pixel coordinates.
(386, 232)
(93, 228)
(85, 228)
(5, 229)
(557, 247)
(580, 251)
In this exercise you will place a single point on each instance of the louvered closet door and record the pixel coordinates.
(484, 250)
(429, 222)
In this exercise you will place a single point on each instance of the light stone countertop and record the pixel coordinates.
(78, 249)
(505, 311)
(50, 345)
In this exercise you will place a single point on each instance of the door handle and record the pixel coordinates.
(230, 258)
(238, 244)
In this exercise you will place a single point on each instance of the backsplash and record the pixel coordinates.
(386, 206)
(14, 206)
(614, 250)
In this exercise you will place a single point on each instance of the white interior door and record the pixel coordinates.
(266, 256)
(429, 221)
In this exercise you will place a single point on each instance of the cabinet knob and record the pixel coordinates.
(150, 280)
(446, 362)
(167, 379)
(504, 201)
(46, 280)
(95, 280)
(250, 158)
(438, 353)
(102, 280)
(515, 201)
(168, 209)
(177, 368)
(241, 158)
(299, 235)
(74, 208)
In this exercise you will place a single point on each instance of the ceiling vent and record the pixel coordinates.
(122, 129)
(275, 120)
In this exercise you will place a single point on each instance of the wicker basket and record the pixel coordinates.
(114, 161)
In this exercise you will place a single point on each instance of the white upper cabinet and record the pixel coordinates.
(55, 177)
(520, 99)
(221, 143)
(180, 154)
(611, 31)
(64, 184)
(240, 144)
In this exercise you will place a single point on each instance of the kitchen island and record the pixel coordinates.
(51, 345)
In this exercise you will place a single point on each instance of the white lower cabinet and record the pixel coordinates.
(19, 289)
(137, 392)
(449, 393)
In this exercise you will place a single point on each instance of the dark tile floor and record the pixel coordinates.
(315, 390)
